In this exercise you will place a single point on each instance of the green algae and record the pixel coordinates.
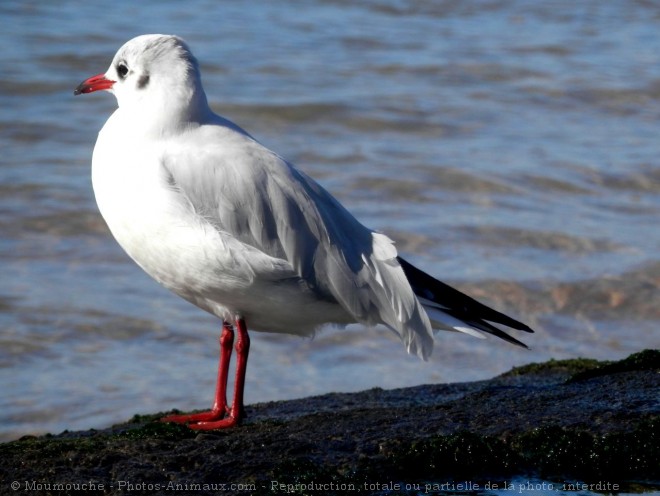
(586, 368)
(554, 451)
(157, 430)
(568, 366)
(644, 360)
(548, 453)
(616, 444)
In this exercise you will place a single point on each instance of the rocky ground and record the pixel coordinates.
(561, 422)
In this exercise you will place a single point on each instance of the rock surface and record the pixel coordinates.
(553, 423)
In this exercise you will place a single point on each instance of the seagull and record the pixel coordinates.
(230, 226)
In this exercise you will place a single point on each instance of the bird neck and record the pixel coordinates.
(165, 114)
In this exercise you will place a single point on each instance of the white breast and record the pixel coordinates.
(163, 234)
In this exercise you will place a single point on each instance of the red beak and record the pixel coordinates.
(95, 83)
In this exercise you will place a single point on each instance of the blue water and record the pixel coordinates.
(510, 148)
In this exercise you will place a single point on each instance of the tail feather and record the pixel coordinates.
(444, 300)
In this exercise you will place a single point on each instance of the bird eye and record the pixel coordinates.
(122, 70)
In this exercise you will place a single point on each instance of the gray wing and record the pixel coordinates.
(250, 193)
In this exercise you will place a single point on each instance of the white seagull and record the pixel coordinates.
(230, 226)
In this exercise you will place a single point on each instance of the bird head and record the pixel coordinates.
(152, 73)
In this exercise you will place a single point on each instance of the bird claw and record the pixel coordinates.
(217, 424)
(211, 416)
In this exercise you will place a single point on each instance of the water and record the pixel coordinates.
(509, 148)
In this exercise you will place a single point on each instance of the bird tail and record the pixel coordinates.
(397, 306)
(450, 309)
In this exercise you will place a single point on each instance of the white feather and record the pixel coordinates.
(443, 321)
(227, 224)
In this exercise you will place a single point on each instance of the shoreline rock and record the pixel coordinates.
(570, 421)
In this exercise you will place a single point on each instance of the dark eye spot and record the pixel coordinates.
(143, 81)
(122, 70)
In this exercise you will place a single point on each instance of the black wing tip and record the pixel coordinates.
(465, 308)
(521, 344)
(490, 314)
(495, 331)
(519, 327)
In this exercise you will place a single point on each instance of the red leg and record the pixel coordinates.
(236, 413)
(220, 404)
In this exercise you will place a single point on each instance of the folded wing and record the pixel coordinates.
(264, 202)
